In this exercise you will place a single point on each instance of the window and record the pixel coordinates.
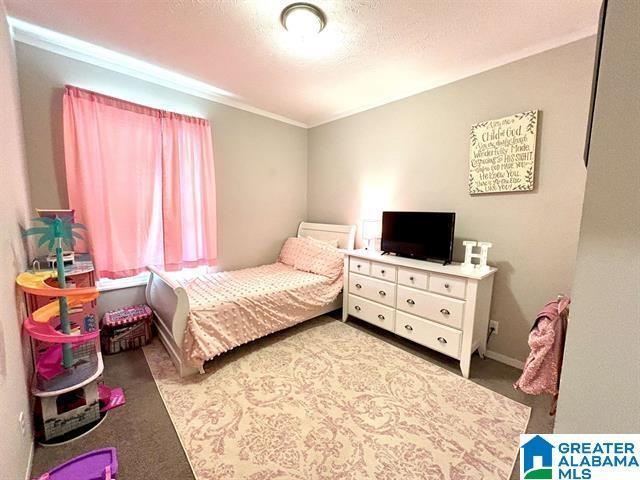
(142, 181)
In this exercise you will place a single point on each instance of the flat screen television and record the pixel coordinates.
(422, 235)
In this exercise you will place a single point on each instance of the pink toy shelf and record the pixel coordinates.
(47, 352)
(67, 366)
(43, 326)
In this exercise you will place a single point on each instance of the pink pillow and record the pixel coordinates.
(329, 263)
(308, 251)
(321, 259)
(292, 249)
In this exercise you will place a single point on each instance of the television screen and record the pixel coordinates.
(423, 235)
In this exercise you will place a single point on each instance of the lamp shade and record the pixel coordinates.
(371, 229)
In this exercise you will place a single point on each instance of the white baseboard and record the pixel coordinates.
(30, 463)
(498, 357)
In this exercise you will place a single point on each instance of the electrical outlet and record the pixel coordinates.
(23, 427)
(493, 324)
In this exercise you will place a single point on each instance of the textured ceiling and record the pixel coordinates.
(370, 52)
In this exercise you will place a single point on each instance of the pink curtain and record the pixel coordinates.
(142, 181)
(188, 192)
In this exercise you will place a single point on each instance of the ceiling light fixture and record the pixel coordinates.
(303, 19)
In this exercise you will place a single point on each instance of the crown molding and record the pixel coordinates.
(77, 49)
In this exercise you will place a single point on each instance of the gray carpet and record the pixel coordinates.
(148, 447)
(141, 430)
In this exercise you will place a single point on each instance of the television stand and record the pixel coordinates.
(443, 307)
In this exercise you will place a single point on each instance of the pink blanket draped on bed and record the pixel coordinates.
(228, 309)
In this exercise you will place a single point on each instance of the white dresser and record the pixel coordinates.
(441, 307)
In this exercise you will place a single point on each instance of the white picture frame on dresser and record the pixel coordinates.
(443, 307)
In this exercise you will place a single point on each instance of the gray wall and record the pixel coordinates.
(261, 164)
(413, 155)
(600, 387)
(15, 446)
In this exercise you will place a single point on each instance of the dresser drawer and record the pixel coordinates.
(447, 311)
(447, 285)
(373, 289)
(430, 334)
(360, 266)
(413, 278)
(383, 271)
(372, 312)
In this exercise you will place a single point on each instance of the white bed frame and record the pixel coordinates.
(170, 303)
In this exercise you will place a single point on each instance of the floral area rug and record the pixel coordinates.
(324, 400)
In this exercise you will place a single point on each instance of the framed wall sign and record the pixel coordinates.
(502, 154)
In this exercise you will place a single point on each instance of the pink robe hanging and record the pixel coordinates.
(541, 372)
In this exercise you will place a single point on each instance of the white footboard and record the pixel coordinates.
(170, 304)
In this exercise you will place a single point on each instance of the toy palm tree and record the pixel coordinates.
(56, 232)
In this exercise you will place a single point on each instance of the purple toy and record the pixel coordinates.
(100, 464)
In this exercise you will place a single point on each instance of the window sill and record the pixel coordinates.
(107, 284)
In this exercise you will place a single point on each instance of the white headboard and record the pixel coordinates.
(345, 234)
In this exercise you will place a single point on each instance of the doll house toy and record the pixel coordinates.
(66, 350)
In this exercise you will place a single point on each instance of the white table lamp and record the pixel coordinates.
(371, 230)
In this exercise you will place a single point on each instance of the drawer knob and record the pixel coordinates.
(357, 307)
(358, 266)
(381, 317)
(411, 278)
(382, 293)
(444, 311)
(382, 272)
(410, 302)
(442, 340)
(447, 286)
(358, 285)
(408, 327)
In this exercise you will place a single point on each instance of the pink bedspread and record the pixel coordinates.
(232, 308)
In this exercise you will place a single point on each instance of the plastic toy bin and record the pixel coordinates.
(126, 328)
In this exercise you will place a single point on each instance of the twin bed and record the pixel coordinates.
(202, 317)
